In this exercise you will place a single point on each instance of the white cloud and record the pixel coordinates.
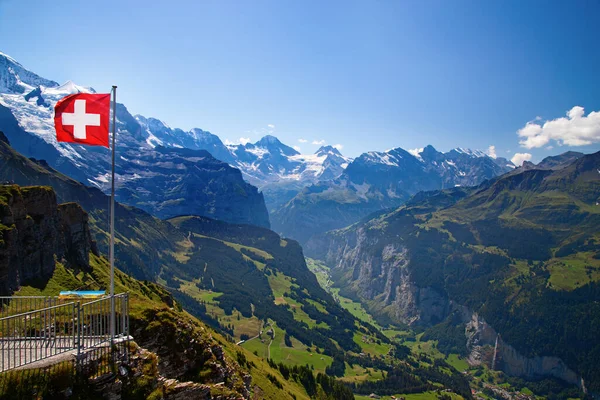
(297, 148)
(241, 140)
(302, 140)
(549, 147)
(492, 151)
(319, 142)
(573, 130)
(271, 126)
(338, 146)
(519, 158)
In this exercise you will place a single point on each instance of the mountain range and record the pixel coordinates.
(166, 181)
(378, 180)
(326, 186)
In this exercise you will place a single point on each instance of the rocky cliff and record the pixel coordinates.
(36, 232)
(483, 341)
(377, 272)
(380, 276)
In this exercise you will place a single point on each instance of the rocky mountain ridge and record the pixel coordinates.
(379, 180)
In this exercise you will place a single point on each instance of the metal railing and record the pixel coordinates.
(30, 334)
(21, 304)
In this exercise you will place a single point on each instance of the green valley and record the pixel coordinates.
(516, 255)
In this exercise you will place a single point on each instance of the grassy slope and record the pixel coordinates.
(145, 296)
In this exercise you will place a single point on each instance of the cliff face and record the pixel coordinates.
(35, 232)
(374, 268)
(483, 341)
(379, 272)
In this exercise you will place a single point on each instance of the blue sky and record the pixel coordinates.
(369, 75)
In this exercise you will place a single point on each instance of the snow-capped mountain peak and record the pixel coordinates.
(15, 79)
(324, 150)
(274, 145)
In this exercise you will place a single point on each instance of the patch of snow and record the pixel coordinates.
(65, 89)
(382, 158)
(258, 151)
(417, 153)
(152, 140)
(472, 153)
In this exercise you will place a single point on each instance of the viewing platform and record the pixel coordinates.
(36, 331)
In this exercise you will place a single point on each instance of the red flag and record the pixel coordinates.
(83, 118)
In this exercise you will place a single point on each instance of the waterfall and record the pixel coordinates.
(495, 353)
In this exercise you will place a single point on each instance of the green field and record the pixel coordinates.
(281, 286)
(568, 273)
(280, 353)
(370, 344)
(412, 396)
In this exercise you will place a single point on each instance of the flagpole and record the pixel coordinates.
(112, 221)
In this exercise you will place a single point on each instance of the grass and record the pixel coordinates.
(355, 308)
(297, 354)
(146, 296)
(571, 272)
(413, 396)
(191, 289)
(320, 270)
(459, 363)
(369, 345)
(358, 374)
(281, 285)
(241, 325)
(280, 353)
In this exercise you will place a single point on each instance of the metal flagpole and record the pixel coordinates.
(112, 221)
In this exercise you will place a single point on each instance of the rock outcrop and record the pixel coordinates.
(35, 232)
(377, 271)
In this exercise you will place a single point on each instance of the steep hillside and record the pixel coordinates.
(176, 346)
(375, 181)
(518, 255)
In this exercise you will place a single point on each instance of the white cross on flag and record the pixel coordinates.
(83, 118)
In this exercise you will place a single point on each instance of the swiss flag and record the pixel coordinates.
(83, 118)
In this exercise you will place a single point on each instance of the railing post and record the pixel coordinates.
(79, 328)
(123, 311)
